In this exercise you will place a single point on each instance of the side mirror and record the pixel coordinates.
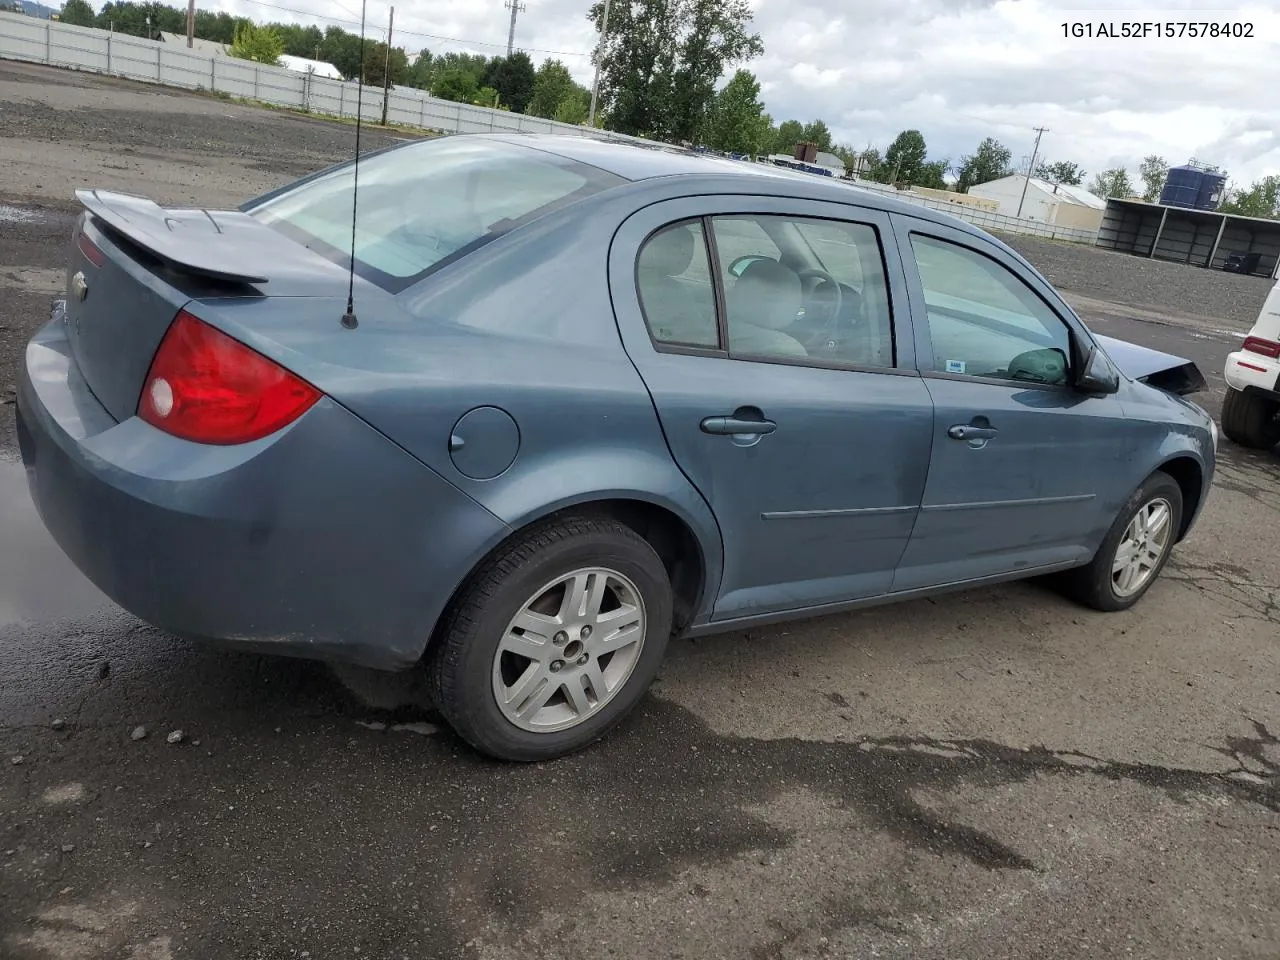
(1097, 375)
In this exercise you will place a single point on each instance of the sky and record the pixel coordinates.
(956, 70)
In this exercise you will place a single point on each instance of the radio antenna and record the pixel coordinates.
(349, 318)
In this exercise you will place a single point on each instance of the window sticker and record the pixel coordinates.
(955, 366)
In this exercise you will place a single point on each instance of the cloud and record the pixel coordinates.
(957, 70)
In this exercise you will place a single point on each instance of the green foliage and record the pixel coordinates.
(989, 162)
(513, 77)
(259, 44)
(574, 106)
(1262, 199)
(933, 174)
(552, 84)
(1062, 171)
(737, 122)
(817, 132)
(1153, 170)
(790, 132)
(376, 64)
(1111, 183)
(456, 84)
(904, 160)
(662, 59)
(78, 13)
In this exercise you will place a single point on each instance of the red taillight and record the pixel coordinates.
(1268, 348)
(90, 250)
(207, 387)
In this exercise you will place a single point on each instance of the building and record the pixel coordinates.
(1202, 238)
(211, 48)
(321, 68)
(1055, 203)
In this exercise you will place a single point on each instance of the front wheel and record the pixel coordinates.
(553, 641)
(1134, 550)
(1249, 419)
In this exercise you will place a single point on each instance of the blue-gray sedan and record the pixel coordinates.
(570, 398)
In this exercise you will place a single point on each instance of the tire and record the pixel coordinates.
(1249, 420)
(479, 655)
(1096, 585)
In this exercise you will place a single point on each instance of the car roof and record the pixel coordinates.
(638, 161)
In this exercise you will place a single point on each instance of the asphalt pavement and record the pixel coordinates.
(991, 774)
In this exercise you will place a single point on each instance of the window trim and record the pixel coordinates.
(722, 351)
(1073, 337)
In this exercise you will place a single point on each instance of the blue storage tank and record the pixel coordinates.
(1211, 189)
(1193, 186)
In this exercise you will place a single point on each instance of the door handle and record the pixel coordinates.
(966, 431)
(730, 426)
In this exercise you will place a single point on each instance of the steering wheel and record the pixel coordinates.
(828, 329)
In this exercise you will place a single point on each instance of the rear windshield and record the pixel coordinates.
(427, 204)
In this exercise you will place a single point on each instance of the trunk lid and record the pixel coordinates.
(134, 265)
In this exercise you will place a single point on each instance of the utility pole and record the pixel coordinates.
(515, 6)
(191, 22)
(595, 83)
(1031, 167)
(386, 67)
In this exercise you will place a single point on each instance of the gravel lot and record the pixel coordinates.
(988, 775)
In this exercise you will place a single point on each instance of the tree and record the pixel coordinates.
(259, 44)
(456, 84)
(1111, 183)
(1153, 170)
(78, 13)
(421, 71)
(551, 85)
(989, 162)
(342, 49)
(790, 132)
(817, 132)
(513, 77)
(574, 106)
(375, 64)
(737, 121)
(661, 61)
(1061, 171)
(904, 159)
(1262, 199)
(933, 175)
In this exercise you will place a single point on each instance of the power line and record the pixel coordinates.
(414, 33)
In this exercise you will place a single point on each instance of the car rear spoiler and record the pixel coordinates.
(226, 245)
(1163, 370)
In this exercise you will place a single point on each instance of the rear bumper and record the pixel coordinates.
(1253, 372)
(324, 540)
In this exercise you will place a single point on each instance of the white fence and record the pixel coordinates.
(985, 218)
(134, 58)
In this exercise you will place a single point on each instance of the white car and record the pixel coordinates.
(1253, 382)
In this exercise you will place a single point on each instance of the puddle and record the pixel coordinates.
(37, 581)
(11, 214)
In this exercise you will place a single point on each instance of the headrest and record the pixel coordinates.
(767, 295)
(670, 252)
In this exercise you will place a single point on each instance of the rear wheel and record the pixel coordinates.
(1249, 419)
(553, 641)
(1134, 550)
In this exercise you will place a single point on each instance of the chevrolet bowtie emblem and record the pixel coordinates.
(80, 285)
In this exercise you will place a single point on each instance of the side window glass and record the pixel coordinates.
(676, 293)
(984, 321)
(803, 288)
